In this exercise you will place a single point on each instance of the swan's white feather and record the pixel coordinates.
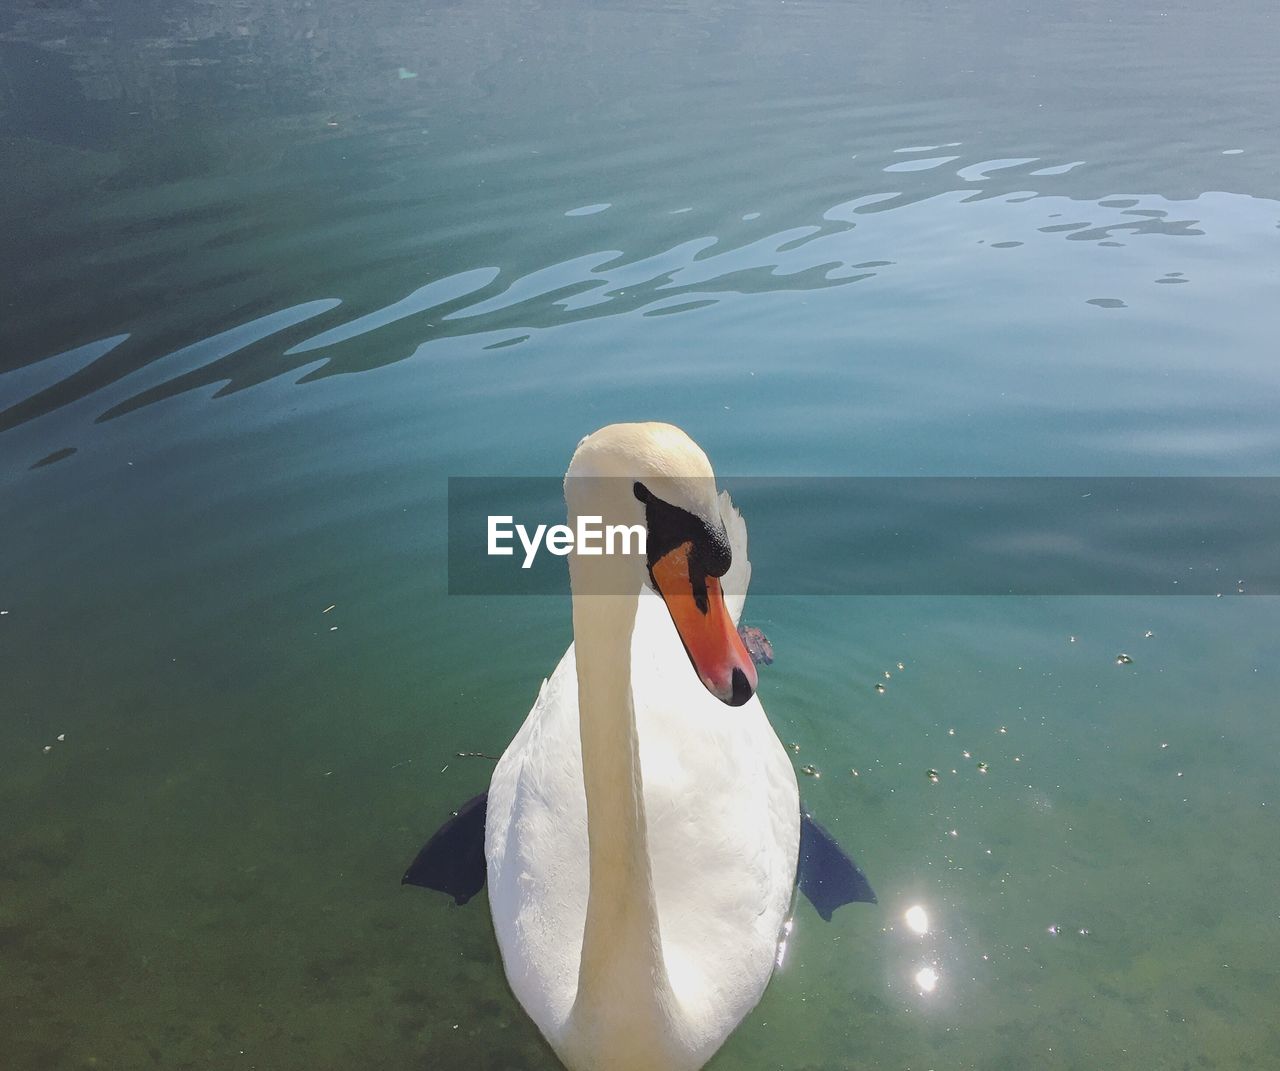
(723, 816)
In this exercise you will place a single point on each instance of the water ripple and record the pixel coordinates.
(35, 378)
(928, 163)
(199, 355)
(543, 282)
(907, 238)
(982, 172)
(431, 296)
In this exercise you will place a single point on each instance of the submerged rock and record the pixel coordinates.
(757, 645)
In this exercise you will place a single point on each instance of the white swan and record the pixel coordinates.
(641, 833)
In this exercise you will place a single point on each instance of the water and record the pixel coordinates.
(274, 272)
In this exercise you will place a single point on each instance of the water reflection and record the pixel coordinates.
(907, 241)
(927, 979)
(917, 919)
(431, 296)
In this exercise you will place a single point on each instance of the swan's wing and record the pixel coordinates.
(452, 861)
(734, 582)
(826, 874)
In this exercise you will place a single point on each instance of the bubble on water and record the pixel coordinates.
(932, 775)
(880, 688)
(1123, 659)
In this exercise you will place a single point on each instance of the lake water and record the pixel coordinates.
(273, 272)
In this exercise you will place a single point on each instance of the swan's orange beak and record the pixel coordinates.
(701, 618)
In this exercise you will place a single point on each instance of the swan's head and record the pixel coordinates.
(656, 476)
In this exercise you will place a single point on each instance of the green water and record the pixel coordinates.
(840, 239)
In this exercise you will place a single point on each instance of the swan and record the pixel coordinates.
(642, 832)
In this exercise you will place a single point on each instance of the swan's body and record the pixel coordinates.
(641, 835)
(723, 823)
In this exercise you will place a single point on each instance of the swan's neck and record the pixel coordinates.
(623, 986)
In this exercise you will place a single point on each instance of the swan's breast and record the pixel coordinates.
(722, 809)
